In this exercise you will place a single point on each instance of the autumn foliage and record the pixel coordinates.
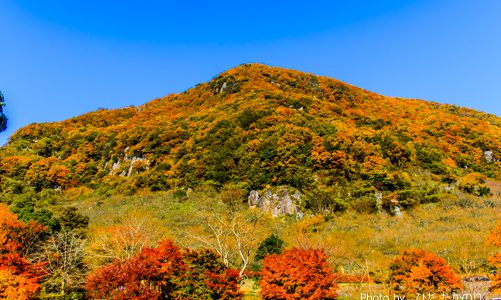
(297, 274)
(249, 128)
(418, 271)
(494, 239)
(261, 125)
(19, 278)
(165, 272)
(207, 277)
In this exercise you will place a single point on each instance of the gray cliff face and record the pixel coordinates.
(128, 165)
(489, 156)
(278, 202)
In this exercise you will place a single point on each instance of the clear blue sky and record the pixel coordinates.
(61, 58)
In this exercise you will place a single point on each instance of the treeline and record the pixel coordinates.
(254, 126)
(36, 262)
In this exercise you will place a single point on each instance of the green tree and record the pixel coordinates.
(207, 277)
(271, 245)
(3, 118)
(29, 208)
(70, 219)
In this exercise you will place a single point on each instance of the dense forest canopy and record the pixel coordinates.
(255, 126)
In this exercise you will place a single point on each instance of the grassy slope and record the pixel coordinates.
(357, 243)
(456, 223)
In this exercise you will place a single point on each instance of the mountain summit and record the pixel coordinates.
(255, 126)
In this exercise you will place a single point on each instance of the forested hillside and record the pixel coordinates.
(149, 202)
(255, 126)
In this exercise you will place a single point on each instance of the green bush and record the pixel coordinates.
(323, 201)
(273, 244)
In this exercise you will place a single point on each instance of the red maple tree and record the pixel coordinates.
(297, 274)
(148, 275)
(165, 272)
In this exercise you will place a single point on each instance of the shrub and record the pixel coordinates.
(271, 245)
(233, 198)
(418, 271)
(324, 201)
(474, 183)
(71, 219)
(297, 274)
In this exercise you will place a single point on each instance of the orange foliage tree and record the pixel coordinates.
(297, 274)
(144, 276)
(165, 272)
(19, 278)
(418, 271)
(48, 173)
(494, 239)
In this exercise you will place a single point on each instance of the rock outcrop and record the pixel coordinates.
(489, 156)
(278, 202)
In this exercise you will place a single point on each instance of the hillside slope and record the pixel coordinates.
(256, 125)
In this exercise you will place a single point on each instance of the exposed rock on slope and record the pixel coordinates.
(278, 202)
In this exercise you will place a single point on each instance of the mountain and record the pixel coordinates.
(255, 126)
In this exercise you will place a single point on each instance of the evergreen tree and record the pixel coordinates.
(3, 118)
(271, 245)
